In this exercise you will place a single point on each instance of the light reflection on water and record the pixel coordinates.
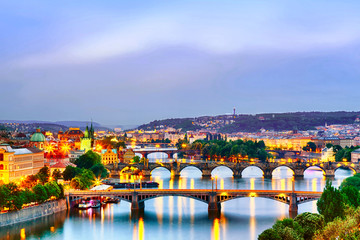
(179, 217)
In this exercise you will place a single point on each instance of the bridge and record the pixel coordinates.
(212, 197)
(146, 151)
(206, 167)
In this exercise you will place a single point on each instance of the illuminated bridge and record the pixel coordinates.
(206, 167)
(146, 151)
(213, 198)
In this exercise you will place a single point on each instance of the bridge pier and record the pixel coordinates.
(214, 207)
(146, 173)
(293, 206)
(268, 173)
(135, 204)
(330, 173)
(299, 173)
(206, 173)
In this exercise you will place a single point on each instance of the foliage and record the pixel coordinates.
(344, 153)
(269, 234)
(52, 189)
(136, 159)
(70, 172)
(331, 203)
(88, 160)
(100, 171)
(56, 174)
(351, 195)
(352, 181)
(43, 174)
(346, 228)
(40, 193)
(310, 147)
(233, 149)
(29, 181)
(83, 180)
(310, 223)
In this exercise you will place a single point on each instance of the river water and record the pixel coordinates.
(179, 217)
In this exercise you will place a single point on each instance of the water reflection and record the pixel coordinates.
(179, 217)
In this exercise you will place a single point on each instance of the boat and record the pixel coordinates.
(95, 203)
(84, 205)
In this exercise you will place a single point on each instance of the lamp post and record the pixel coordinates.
(140, 183)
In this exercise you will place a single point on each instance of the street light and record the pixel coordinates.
(212, 184)
(216, 177)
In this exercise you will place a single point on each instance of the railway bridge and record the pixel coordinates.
(206, 167)
(213, 198)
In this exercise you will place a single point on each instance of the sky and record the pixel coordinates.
(131, 62)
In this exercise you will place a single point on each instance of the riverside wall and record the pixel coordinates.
(33, 212)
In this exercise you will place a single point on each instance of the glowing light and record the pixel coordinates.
(49, 148)
(22, 233)
(252, 194)
(65, 148)
(98, 147)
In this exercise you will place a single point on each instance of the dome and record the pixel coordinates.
(37, 137)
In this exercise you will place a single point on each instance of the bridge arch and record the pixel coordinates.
(345, 167)
(160, 166)
(314, 167)
(283, 166)
(203, 199)
(164, 154)
(222, 166)
(254, 166)
(187, 166)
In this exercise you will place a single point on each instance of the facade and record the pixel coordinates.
(37, 140)
(128, 155)
(355, 156)
(18, 163)
(72, 135)
(109, 156)
(327, 155)
(73, 155)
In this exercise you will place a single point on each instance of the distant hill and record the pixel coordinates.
(253, 123)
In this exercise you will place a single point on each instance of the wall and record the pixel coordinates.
(31, 213)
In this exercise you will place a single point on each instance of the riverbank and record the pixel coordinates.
(31, 213)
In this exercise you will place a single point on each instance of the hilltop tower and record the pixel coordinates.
(92, 137)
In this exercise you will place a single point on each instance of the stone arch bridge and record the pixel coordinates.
(206, 167)
(213, 198)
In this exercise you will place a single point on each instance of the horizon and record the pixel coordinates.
(131, 63)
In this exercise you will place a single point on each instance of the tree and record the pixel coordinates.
(269, 234)
(52, 189)
(310, 223)
(88, 160)
(56, 174)
(29, 181)
(310, 147)
(136, 159)
(331, 203)
(70, 172)
(99, 170)
(329, 145)
(41, 194)
(43, 174)
(352, 181)
(351, 195)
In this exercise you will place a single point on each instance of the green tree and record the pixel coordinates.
(331, 203)
(56, 174)
(310, 223)
(352, 181)
(43, 174)
(52, 189)
(99, 170)
(88, 160)
(269, 234)
(310, 147)
(40, 193)
(351, 195)
(136, 159)
(70, 172)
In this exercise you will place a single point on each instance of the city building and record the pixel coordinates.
(18, 163)
(73, 155)
(327, 155)
(355, 155)
(109, 156)
(128, 155)
(38, 140)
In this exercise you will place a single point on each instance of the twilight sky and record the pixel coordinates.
(131, 62)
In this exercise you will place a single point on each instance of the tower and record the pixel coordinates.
(92, 134)
(85, 142)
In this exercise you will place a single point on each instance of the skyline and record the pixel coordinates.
(132, 63)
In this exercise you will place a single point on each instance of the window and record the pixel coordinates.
(1, 157)
(1, 167)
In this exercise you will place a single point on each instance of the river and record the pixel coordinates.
(179, 217)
